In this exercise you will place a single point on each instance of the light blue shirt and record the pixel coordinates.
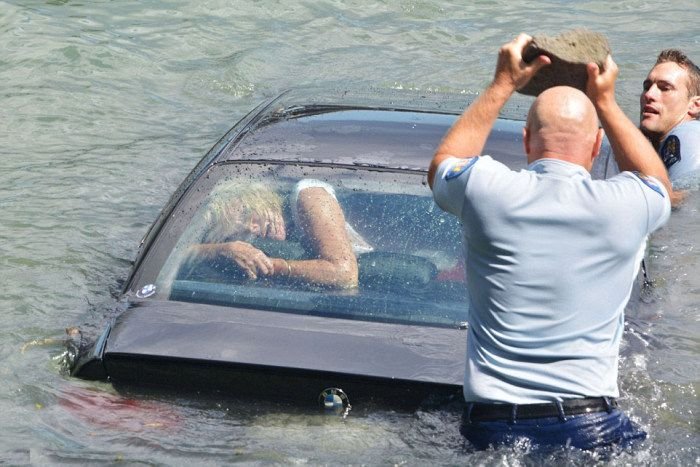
(680, 150)
(551, 257)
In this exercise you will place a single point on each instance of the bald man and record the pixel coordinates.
(551, 256)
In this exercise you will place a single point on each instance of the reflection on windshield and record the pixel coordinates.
(330, 242)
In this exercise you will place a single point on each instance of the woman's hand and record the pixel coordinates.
(251, 260)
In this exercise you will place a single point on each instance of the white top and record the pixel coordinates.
(680, 150)
(359, 244)
(551, 257)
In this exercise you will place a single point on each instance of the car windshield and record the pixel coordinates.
(408, 252)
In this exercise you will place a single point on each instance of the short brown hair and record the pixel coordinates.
(676, 56)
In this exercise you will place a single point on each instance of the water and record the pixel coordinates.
(107, 105)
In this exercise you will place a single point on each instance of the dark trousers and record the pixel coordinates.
(585, 431)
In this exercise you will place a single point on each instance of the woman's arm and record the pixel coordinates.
(321, 219)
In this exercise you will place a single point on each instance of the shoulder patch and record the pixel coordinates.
(671, 151)
(459, 168)
(650, 182)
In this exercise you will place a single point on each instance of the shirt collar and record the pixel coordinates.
(557, 167)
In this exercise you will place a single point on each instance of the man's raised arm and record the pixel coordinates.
(467, 136)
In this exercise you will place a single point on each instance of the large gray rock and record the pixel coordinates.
(569, 51)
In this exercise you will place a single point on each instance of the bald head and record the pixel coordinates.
(562, 124)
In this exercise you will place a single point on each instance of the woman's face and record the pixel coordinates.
(238, 224)
(269, 224)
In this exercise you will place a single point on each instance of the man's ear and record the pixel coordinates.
(526, 140)
(600, 134)
(694, 107)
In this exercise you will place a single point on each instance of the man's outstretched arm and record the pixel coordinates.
(467, 136)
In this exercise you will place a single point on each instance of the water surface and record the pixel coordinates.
(107, 105)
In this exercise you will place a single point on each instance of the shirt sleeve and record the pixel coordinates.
(680, 151)
(450, 183)
(657, 200)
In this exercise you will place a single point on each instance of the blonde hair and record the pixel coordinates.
(231, 204)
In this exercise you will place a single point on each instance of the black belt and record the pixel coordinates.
(476, 411)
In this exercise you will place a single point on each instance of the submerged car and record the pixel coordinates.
(399, 334)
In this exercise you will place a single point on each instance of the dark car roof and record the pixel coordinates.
(399, 139)
(399, 131)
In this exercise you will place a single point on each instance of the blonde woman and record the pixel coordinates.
(238, 212)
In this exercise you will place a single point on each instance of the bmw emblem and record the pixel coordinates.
(146, 291)
(334, 400)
